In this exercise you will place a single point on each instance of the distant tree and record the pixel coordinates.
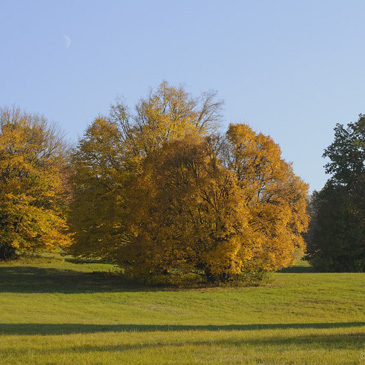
(337, 231)
(33, 189)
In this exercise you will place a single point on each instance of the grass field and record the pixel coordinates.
(60, 312)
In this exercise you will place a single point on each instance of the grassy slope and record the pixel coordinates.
(60, 312)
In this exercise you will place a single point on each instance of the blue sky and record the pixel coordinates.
(290, 69)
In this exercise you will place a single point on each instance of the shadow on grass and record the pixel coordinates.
(29, 279)
(330, 342)
(336, 341)
(74, 328)
(300, 267)
(75, 260)
(33, 279)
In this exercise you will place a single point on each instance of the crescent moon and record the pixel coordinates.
(67, 41)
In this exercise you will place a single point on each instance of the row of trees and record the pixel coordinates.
(156, 190)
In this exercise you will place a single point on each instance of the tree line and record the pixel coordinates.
(160, 192)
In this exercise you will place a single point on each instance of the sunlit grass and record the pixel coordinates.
(56, 311)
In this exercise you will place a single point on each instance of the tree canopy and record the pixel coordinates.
(186, 216)
(33, 188)
(163, 195)
(97, 209)
(337, 230)
(111, 154)
(276, 197)
(347, 154)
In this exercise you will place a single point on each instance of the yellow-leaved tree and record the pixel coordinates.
(110, 156)
(187, 216)
(163, 196)
(274, 195)
(167, 114)
(221, 213)
(33, 187)
(98, 208)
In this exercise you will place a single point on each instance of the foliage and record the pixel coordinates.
(337, 231)
(33, 192)
(167, 114)
(192, 214)
(110, 156)
(347, 154)
(186, 215)
(97, 209)
(275, 197)
(168, 200)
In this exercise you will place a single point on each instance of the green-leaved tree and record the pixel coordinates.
(337, 231)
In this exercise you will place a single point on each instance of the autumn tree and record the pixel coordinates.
(187, 216)
(167, 114)
(274, 195)
(219, 209)
(162, 195)
(337, 231)
(33, 189)
(98, 208)
(111, 154)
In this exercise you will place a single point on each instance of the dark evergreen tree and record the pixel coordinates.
(336, 240)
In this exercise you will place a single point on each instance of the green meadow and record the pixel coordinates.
(59, 311)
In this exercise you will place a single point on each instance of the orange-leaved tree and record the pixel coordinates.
(160, 194)
(220, 213)
(187, 216)
(33, 188)
(274, 195)
(111, 154)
